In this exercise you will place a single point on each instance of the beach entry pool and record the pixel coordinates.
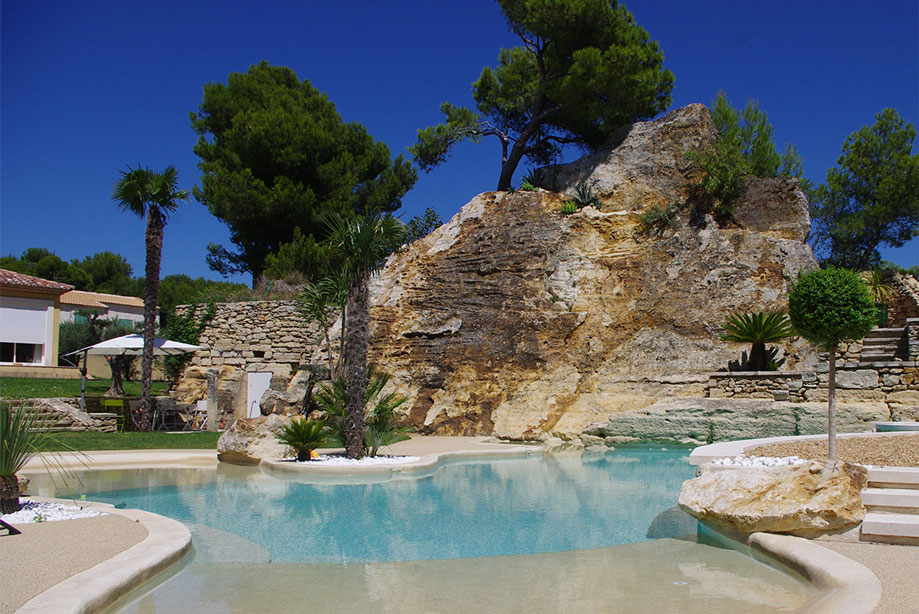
(555, 533)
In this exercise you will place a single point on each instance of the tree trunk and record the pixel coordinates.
(9, 494)
(355, 367)
(117, 387)
(831, 408)
(154, 240)
(758, 357)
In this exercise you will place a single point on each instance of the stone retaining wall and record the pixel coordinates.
(894, 383)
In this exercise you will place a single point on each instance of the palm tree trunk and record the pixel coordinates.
(357, 328)
(154, 240)
(831, 408)
(758, 356)
(9, 494)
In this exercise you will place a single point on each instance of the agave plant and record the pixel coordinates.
(304, 436)
(880, 291)
(758, 328)
(380, 428)
(584, 195)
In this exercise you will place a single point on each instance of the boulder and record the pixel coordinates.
(249, 440)
(806, 500)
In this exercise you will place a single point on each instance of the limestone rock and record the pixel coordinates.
(231, 388)
(23, 484)
(805, 500)
(249, 440)
(515, 320)
(697, 421)
(286, 397)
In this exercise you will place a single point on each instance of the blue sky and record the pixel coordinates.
(90, 88)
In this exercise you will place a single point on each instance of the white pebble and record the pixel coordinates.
(759, 461)
(33, 511)
(339, 460)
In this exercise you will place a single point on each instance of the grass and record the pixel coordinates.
(37, 388)
(88, 440)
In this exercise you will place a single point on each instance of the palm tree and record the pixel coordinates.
(362, 243)
(153, 196)
(759, 329)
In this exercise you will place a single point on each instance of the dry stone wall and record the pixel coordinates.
(256, 336)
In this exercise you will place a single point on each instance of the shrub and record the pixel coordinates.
(379, 422)
(526, 186)
(656, 219)
(304, 436)
(757, 328)
(568, 207)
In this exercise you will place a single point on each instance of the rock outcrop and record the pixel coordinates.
(249, 440)
(517, 320)
(807, 500)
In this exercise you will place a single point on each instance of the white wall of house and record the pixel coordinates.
(27, 327)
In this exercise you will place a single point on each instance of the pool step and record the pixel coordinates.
(898, 500)
(892, 501)
(890, 528)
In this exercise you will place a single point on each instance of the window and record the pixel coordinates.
(22, 353)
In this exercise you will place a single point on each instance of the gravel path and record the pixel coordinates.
(893, 450)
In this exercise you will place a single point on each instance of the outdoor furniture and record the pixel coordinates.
(115, 406)
(11, 530)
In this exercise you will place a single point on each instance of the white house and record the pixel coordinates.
(29, 317)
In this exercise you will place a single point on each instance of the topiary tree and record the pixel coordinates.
(828, 307)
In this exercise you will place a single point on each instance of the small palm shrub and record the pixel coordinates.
(379, 419)
(584, 195)
(758, 328)
(304, 436)
(568, 207)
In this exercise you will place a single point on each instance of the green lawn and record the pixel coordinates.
(33, 388)
(88, 440)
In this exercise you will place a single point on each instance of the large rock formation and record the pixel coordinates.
(249, 440)
(806, 500)
(517, 320)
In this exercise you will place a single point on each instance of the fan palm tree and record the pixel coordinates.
(759, 329)
(153, 196)
(362, 243)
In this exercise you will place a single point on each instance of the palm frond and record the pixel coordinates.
(757, 327)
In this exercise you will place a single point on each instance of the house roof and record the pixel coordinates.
(21, 281)
(98, 300)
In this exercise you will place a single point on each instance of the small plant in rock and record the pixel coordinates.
(758, 328)
(656, 219)
(533, 178)
(568, 207)
(585, 195)
(304, 436)
(526, 186)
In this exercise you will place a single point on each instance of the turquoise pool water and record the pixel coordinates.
(504, 507)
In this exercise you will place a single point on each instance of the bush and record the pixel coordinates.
(379, 422)
(656, 219)
(568, 207)
(304, 436)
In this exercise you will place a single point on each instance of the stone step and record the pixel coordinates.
(890, 528)
(880, 332)
(898, 500)
(894, 477)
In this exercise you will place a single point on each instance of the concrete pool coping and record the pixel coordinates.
(167, 542)
(850, 585)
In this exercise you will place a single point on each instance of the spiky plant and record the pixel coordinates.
(758, 328)
(304, 436)
(379, 420)
(584, 195)
(875, 279)
(20, 440)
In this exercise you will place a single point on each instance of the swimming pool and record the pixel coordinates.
(593, 532)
